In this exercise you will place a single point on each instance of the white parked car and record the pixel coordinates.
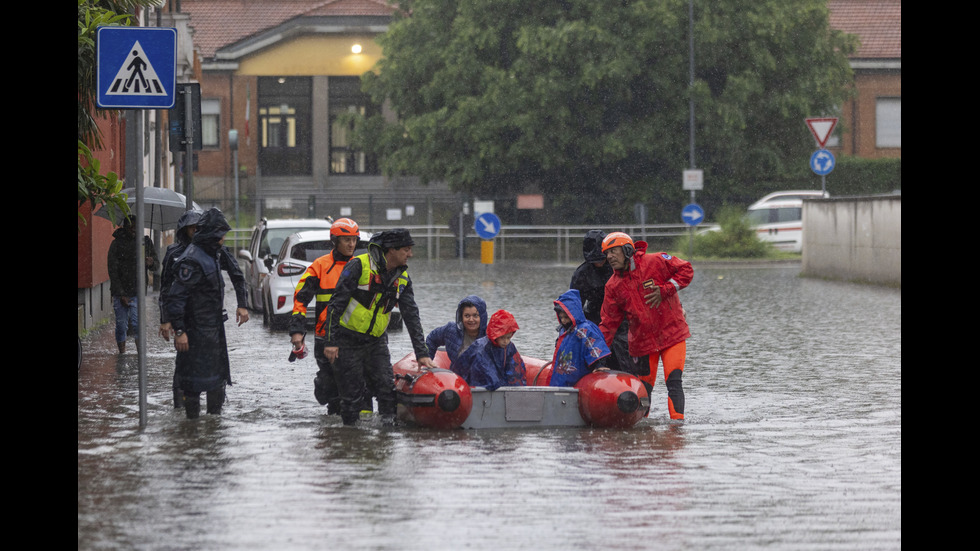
(298, 251)
(267, 239)
(778, 218)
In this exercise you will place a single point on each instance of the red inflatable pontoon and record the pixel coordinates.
(438, 398)
(435, 398)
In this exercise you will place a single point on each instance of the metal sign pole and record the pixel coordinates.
(690, 246)
(188, 147)
(140, 270)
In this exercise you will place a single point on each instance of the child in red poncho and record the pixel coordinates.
(493, 361)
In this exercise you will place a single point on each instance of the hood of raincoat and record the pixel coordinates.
(210, 229)
(571, 302)
(189, 218)
(393, 239)
(592, 246)
(501, 323)
(481, 307)
(124, 233)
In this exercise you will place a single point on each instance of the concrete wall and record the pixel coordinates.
(94, 307)
(854, 238)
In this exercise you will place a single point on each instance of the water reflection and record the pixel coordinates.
(792, 438)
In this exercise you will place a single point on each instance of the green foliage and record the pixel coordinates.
(588, 102)
(856, 176)
(735, 239)
(95, 188)
(92, 14)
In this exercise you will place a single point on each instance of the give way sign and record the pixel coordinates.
(821, 128)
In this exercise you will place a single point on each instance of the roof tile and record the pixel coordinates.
(218, 23)
(877, 22)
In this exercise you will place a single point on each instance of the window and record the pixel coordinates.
(834, 139)
(775, 215)
(888, 122)
(311, 250)
(210, 122)
(278, 126)
(285, 135)
(345, 96)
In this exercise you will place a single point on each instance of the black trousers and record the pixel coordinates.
(364, 370)
(325, 384)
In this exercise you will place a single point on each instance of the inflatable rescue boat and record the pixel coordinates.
(438, 398)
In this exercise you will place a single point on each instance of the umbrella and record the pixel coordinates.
(162, 207)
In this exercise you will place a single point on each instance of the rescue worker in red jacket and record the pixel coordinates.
(643, 289)
(320, 280)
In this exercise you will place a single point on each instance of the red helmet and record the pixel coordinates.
(344, 226)
(618, 239)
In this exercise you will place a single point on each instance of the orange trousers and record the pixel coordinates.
(673, 360)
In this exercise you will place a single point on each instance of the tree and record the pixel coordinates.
(94, 187)
(587, 100)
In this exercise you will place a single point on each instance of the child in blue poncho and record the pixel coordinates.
(580, 348)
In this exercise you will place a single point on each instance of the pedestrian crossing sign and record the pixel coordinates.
(136, 67)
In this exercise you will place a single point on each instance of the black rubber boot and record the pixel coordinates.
(216, 399)
(192, 405)
(319, 392)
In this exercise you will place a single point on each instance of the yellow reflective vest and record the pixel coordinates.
(369, 307)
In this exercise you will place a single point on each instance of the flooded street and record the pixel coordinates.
(792, 438)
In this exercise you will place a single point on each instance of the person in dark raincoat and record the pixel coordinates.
(195, 308)
(580, 347)
(186, 226)
(457, 336)
(121, 263)
(493, 361)
(590, 280)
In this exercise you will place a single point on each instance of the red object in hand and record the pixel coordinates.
(294, 354)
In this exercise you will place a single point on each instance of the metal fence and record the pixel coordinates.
(563, 243)
(238, 238)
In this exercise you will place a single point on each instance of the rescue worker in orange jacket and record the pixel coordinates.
(319, 281)
(643, 289)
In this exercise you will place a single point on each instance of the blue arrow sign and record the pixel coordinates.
(136, 67)
(692, 214)
(487, 225)
(822, 162)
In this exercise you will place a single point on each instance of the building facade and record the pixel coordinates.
(149, 163)
(283, 75)
(870, 124)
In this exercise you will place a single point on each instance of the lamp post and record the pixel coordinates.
(233, 144)
(690, 92)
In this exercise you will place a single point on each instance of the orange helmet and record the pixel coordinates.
(344, 226)
(619, 239)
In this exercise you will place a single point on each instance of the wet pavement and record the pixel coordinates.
(792, 439)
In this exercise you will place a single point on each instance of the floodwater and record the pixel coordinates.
(793, 437)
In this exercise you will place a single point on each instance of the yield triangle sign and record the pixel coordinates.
(821, 128)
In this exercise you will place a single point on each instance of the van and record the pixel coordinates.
(778, 218)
